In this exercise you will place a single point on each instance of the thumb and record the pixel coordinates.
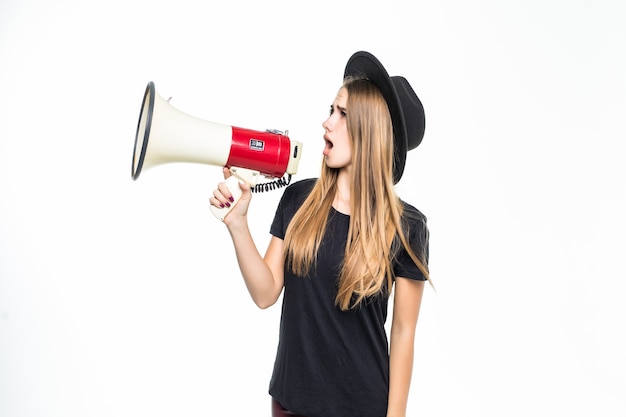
(246, 189)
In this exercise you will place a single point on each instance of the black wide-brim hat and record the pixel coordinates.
(407, 112)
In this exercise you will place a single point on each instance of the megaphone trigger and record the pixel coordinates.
(250, 176)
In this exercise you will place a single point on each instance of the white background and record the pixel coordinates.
(123, 298)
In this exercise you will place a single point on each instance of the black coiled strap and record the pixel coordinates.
(272, 185)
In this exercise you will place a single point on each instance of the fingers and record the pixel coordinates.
(222, 197)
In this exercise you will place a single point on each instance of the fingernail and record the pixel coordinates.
(231, 199)
(221, 205)
(227, 204)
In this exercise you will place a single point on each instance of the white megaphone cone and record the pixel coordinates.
(165, 134)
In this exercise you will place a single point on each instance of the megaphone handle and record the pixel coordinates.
(232, 183)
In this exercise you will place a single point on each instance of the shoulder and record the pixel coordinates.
(415, 227)
(302, 185)
(298, 191)
(411, 214)
(291, 200)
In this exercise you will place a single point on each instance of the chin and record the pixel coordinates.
(336, 165)
(329, 163)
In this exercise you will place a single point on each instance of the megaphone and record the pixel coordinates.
(166, 134)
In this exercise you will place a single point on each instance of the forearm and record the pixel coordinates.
(400, 371)
(258, 277)
(406, 306)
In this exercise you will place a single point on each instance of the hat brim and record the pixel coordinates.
(363, 64)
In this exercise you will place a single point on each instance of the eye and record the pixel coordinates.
(342, 111)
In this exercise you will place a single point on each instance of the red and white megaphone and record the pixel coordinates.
(166, 134)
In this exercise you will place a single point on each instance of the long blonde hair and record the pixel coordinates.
(375, 209)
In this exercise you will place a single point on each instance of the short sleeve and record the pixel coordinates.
(417, 233)
(278, 228)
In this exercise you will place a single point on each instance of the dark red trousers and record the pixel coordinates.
(279, 411)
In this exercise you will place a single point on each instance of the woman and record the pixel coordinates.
(339, 244)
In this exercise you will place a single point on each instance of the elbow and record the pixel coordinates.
(401, 332)
(264, 303)
(263, 306)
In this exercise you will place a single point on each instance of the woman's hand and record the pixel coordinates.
(223, 197)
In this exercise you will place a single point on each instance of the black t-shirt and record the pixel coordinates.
(333, 363)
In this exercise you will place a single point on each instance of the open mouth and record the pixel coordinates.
(328, 146)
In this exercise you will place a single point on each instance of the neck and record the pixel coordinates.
(341, 202)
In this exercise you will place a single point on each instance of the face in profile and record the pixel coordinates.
(337, 151)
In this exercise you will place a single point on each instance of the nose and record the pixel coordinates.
(326, 124)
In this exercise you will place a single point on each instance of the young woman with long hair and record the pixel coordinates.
(340, 244)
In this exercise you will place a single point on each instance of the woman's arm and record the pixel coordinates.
(263, 275)
(407, 301)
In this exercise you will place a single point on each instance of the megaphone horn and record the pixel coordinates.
(166, 134)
